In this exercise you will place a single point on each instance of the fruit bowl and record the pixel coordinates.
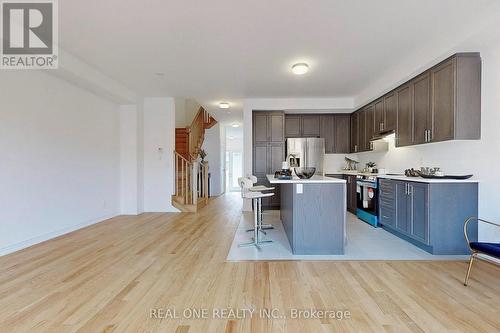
(304, 173)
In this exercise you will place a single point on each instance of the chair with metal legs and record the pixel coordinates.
(256, 197)
(489, 249)
(260, 188)
(248, 186)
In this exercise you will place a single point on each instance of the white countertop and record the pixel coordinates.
(405, 178)
(351, 172)
(428, 180)
(314, 179)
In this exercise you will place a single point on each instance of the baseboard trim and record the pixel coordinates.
(45, 237)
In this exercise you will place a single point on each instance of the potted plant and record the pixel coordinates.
(370, 166)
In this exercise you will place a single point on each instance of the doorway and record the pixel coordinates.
(234, 170)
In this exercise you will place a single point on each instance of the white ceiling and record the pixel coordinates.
(226, 50)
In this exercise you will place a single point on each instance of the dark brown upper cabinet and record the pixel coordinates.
(362, 131)
(334, 128)
(404, 130)
(276, 127)
(421, 87)
(260, 129)
(302, 126)
(327, 131)
(310, 126)
(443, 103)
(354, 133)
(390, 114)
(268, 126)
(293, 125)
(342, 133)
(379, 113)
(370, 125)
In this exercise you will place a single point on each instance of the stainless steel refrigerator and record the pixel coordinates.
(306, 152)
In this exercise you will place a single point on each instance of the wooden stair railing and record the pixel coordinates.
(191, 177)
(191, 182)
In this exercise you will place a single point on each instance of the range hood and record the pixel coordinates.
(383, 135)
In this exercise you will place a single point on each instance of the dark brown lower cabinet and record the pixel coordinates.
(351, 193)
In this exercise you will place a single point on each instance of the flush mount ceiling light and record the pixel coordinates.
(300, 68)
(235, 125)
(224, 105)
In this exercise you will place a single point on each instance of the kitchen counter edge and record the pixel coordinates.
(314, 180)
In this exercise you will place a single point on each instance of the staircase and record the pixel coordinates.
(191, 175)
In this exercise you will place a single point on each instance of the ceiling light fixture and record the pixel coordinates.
(224, 105)
(235, 125)
(300, 68)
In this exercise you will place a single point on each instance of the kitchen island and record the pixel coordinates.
(313, 213)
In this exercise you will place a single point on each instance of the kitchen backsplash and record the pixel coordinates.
(454, 157)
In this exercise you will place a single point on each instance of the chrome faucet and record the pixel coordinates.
(293, 160)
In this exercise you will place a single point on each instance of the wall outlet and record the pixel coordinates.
(300, 189)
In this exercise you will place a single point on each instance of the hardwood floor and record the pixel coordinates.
(110, 276)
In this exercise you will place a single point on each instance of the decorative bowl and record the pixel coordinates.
(304, 173)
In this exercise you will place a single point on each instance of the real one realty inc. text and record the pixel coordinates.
(247, 313)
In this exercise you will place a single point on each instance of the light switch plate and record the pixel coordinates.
(300, 189)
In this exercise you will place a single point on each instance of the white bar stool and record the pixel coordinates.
(260, 188)
(256, 197)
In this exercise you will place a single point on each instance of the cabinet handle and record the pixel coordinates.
(426, 136)
(383, 125)
(371, 145)
(430, 135)
(355, 148)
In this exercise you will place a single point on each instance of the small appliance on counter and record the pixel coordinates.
(367, 199)
(285, 172)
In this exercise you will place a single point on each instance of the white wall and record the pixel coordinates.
(158, 148)
(180, 112)
(59, 167)
(185, 111)
(335, 162)
(130, 176)
(213, 147)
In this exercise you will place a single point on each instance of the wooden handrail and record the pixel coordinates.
(191, 180)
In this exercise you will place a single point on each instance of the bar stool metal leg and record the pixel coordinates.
(257, 242)
(255, 237)
(262, 226)
(261, 242)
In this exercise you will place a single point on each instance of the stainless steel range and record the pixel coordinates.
(367, 199)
